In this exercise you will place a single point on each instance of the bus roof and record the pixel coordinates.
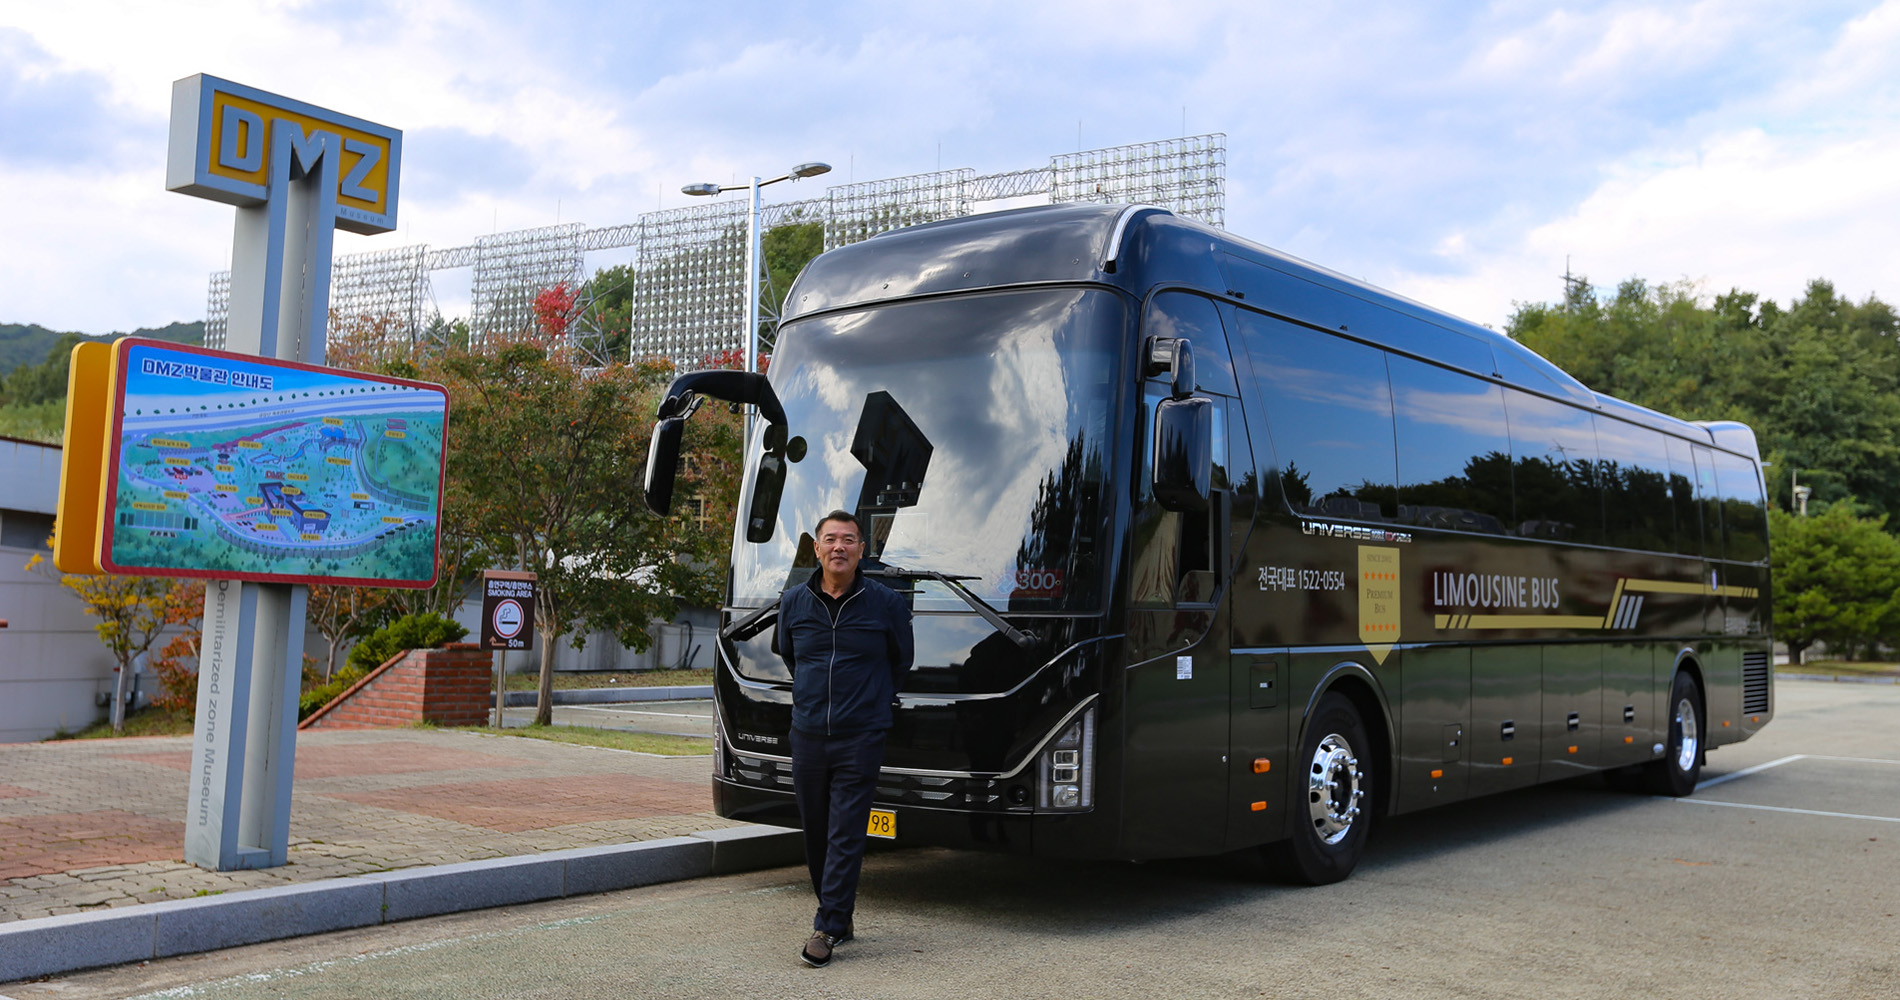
(1078, 242)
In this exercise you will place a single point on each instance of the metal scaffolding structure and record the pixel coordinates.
(682, 297)
(860, 211)
(1188, 176)
(526, 284)
(381, 302)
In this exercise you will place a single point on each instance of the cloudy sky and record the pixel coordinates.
(1456, 152)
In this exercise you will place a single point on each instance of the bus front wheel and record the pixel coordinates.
(1332, 806)
(1681, 764)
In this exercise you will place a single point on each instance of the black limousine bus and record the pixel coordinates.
(1210, 548)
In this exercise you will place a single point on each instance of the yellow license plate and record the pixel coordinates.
(883, 824)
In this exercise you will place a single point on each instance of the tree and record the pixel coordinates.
(1836, 580)
(133, 611)
(341, 614)
(787, 249)
(1819, 380)
(546, 460)
(179, 681)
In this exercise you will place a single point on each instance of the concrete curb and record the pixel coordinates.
(49, 945)
(1837, 679)
(613, 695)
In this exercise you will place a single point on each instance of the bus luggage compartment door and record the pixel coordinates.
(1506, 717)
(1435, 740)
(1258, 768)
(1573, 710)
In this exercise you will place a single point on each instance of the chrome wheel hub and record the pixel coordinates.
(1332, 789)
(1691, 741)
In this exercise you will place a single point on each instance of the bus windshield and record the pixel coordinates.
(969, 434)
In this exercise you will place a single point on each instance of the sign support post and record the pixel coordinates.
(501, 687)
(281, 162)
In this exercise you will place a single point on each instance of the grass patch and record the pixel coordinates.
(612, 739)
(618, 678)
(45, 422)
(1842, 668)
(144, 722)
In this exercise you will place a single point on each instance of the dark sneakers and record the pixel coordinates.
(817, 950)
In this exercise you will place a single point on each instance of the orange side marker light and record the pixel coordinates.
(1629, 739)
(1573, 749)
(1508, 760)
(1437, 773)
(1259, 807)
(1261, 765)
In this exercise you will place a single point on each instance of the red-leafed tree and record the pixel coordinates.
(554, 311)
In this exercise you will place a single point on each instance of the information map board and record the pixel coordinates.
(232, 466)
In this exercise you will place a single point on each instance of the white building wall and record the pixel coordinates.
(52, 665)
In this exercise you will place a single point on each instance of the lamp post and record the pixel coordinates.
(1801, 493)
(753, 252)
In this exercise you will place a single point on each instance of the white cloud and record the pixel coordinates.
(1456, 155)
(1748, 210)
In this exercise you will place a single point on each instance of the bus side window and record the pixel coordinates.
(1682, 497)
(1634, 471)
(1329, 414)
(1555, 479)
(1744, 517)
(1708, 501)
(1196, 320)
(1454, 453)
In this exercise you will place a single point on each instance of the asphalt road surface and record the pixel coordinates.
(672, 718)
(1779, 878)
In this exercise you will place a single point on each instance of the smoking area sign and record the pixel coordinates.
(507, 610)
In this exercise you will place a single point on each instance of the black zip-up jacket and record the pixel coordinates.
(846, 665)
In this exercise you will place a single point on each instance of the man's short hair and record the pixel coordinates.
(838, 515)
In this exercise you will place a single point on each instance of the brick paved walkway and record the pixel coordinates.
(99, 823)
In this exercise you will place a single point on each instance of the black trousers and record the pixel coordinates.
(834, 780)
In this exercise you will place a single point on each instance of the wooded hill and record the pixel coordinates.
(1816, 379)
(33, 362)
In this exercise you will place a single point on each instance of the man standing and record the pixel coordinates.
(847, 641)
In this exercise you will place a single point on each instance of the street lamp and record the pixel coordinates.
(752, 251)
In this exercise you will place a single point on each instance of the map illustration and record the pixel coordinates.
(233, 466)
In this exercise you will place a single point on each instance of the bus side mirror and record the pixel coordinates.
(663, 457)
(762, 512)
(1183, 453)
(1175, 358)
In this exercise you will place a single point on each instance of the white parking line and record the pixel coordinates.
(1785, 809)
(1758, 768)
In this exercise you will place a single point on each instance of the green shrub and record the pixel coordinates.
(424, 631)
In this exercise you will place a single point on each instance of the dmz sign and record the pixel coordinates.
(228, 140)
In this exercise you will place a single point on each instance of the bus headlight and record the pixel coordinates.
(1066, 768)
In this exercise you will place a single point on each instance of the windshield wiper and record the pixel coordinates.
(1021, 638)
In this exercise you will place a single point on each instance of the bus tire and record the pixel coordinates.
(1331, 810)
(1680, 768)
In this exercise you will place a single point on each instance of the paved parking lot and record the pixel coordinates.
(1779, 879)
